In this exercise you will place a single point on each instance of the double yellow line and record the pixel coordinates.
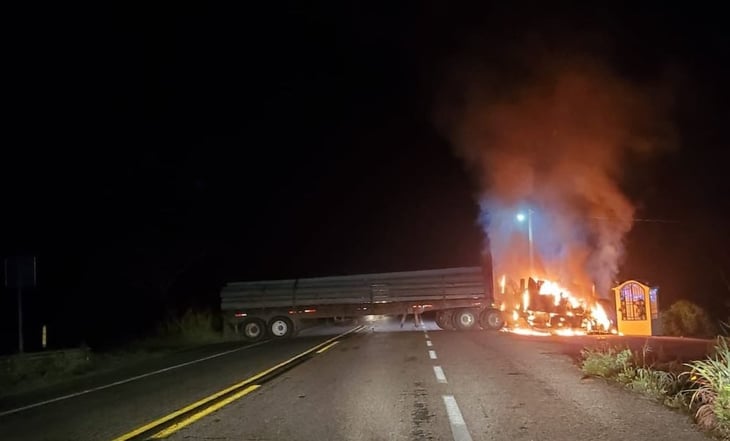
(246, 386)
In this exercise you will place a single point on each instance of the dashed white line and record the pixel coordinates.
(432, 355)
(458, 426)
(426, 335)
(429, 343)
(440, 377)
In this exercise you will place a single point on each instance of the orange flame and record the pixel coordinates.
(599, 314)
(525, 300)
(558, 292)
(577, 315)
(525, 331)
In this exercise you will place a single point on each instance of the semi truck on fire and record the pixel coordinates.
(459, 298)
(546, 306)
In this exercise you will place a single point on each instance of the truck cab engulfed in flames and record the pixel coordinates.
(545, 307)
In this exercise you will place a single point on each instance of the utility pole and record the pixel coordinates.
(531, 253)
(529, 239)
(20, 319)
(20, 272)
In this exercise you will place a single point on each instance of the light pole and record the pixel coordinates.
(521, 217)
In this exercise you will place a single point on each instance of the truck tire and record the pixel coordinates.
(465, 319)
(253, 329)
(491, 319)
(444, 320)
(281, 327)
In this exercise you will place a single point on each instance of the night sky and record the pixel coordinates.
(153, 154)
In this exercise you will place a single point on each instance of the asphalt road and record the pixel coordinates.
(382, 383)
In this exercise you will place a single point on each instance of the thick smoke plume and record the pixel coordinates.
(553, 140)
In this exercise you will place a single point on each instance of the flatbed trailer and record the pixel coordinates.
(279, 308)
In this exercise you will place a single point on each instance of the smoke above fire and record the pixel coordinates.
(551, 141)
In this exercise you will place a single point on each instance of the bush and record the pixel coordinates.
(686, 319)
(664, 382)
(657, 384)
(26, 371)
(607, 362)
(703, 389)
(712, 392)
(725, 327)
(191, 328)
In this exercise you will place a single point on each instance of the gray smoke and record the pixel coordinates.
(553, 140)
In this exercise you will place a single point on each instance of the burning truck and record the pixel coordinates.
(537, 306)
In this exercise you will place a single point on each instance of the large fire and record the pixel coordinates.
(544, 307)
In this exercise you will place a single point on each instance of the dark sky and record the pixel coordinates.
(151, 155)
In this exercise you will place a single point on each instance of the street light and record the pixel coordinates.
(521, 217)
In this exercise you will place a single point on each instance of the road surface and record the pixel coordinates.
(379, 383)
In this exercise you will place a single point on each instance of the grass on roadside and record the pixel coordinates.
(21, 373)
(701, 387)
(711, 393)
(606, 362)
(192, 328)
(635, 372)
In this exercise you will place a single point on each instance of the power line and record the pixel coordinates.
(664, 221)
(652, 220)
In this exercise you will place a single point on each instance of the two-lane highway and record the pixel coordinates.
(380, 383)
(393, 384)
(527, 389)
(125, 403)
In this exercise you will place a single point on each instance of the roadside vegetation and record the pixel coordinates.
(192, 328)
(686, 319)
(700, 388)
(20, 373)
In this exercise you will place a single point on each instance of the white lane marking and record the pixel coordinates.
(117, 383)
(429, 343)
(440, 377)
(458, 426)
(432, 355)
(426, 335)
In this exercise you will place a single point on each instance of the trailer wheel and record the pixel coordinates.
(281, 327)
(465, 319)
(444, 320)
(492, 319)
(253, 329)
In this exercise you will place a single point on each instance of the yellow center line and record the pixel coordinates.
(202, 402)
(327, 347)
(208, 410)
